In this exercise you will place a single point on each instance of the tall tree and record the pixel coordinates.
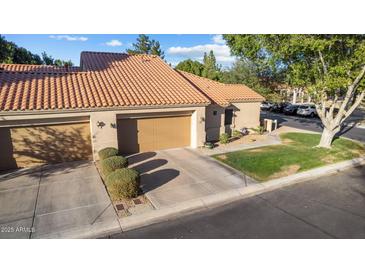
(156, 49)
(331, 67)
(245, 72)
(146, 46)
(6, 51)
(191, 66)
(47, 59)
(210, 67)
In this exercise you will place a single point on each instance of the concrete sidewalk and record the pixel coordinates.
(272, 139)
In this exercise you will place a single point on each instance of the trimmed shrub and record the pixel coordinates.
(224, 138)
(123, 183)
(107, 152)
(236, 134)
(110, 164)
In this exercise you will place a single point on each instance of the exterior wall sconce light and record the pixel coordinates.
(113, 125)
(100, 124)
(202, 119)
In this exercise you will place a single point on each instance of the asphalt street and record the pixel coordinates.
(315, 124)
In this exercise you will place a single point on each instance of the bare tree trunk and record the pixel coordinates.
(327, 137)
(294, 96)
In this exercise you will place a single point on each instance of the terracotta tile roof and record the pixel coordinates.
(222, 94)
(36, 68)
(108, 80)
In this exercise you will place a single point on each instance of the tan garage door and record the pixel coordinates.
(149, 134)
(28, 146)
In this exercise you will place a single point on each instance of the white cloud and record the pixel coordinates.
(221, 52)
(114, 43)
(218, 39)
(69, 38)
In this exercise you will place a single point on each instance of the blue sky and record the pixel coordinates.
(176, 47)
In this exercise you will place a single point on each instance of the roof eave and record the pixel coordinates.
(98, 109)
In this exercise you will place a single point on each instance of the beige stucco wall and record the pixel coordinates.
(214, 124)
(106, 136)
(245, 115)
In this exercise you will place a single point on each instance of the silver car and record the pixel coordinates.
(307, 111)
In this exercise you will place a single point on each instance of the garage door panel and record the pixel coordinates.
(127, 135)
(47, 144)
(156, 134)
(146, 132)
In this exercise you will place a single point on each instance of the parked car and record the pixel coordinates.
(279, 107)
(291, 109)
(266, 105)
(307, 111)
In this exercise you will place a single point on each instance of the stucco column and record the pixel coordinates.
(222, 128)
(103, 131)
(198, 128)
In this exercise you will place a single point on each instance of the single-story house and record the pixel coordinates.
(136, 103)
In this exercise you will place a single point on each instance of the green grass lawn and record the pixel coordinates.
(296, 153)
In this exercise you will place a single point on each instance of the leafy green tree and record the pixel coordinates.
(156, 49)
(331, 67)
(191, 66)
(61, 63)
(6, 51)
(210, 68)
(245, 72)
(23, 56)
(146, 46)
(47, 59)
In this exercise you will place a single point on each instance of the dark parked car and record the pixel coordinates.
(279, 107)
(291, 109)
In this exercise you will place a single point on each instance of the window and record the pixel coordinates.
(214, 112)
(228, 117)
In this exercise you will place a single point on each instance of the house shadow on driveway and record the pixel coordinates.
(150, 166)
(178, 175)
(156, 179)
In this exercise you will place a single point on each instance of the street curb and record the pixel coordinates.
(211, 201)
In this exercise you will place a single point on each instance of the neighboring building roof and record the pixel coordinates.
(222, 94)
(106, 80)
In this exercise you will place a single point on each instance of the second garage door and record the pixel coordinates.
(149, 134)
(33, 145)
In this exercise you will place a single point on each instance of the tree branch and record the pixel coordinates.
(322, 61)
(359, 98)
(349, 94)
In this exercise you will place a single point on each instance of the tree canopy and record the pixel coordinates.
(191, 66)
(145, 45)
(209, 68)
(10, 53)
(330, 67)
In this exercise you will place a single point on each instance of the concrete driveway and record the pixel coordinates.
(58, 201)
(179, 175)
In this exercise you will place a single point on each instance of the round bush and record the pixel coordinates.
(123, 183)
(110, 164)
(224, 138)
(107, 152)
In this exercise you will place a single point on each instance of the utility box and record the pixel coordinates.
(270, 125)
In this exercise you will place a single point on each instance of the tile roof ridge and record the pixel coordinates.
(119, 53)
